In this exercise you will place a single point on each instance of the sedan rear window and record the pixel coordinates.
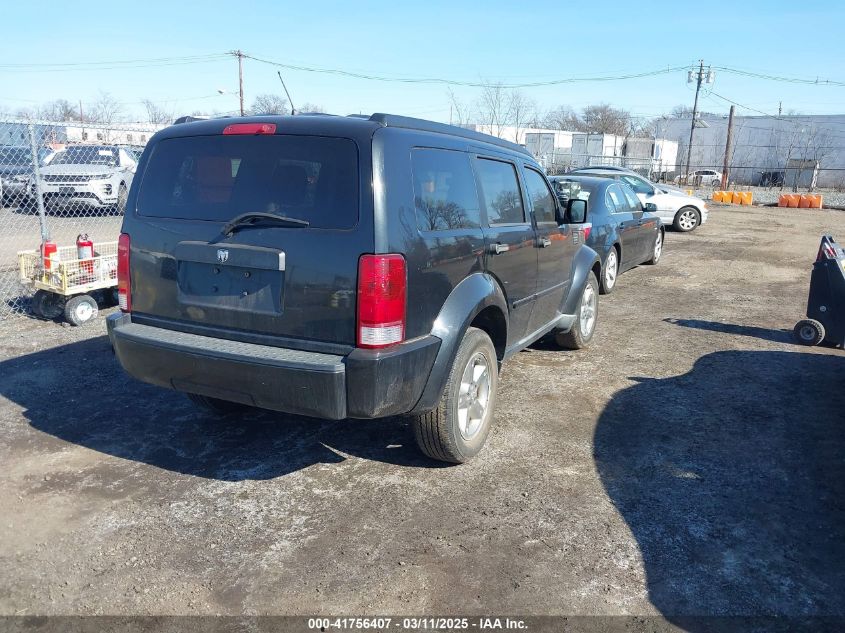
(216, 178)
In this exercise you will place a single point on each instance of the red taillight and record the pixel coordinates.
(250, 128)
(382, 282)
(124, 287)
(587, 228)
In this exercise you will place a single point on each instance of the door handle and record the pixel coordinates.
(498, 248)
(545, 242)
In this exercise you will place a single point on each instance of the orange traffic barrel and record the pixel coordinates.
(793, 199)
(804, 201)
(783, 200)
(817, 202)
(737, 197)
(717, 196)
(746, 197)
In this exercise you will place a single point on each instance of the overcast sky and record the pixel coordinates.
(511, 42)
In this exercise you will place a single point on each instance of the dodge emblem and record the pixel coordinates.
(222, 255)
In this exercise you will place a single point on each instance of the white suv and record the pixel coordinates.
(88, 176)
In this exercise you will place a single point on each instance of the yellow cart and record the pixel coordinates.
(67, 285)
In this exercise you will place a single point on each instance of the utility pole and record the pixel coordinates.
(240, 55)
(780, 107)
(726, 164)
(698, 77)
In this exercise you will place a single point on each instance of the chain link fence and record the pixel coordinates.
(59, 180)
(557, 163)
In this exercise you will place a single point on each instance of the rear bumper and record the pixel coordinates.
(363, 384)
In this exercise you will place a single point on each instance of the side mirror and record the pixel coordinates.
(576, 211)
(651, 207)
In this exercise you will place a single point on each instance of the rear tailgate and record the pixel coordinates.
(276, 281)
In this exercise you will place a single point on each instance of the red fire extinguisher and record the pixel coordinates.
(49, 252)
(85, 251)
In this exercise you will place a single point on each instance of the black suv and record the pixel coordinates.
(345, 267)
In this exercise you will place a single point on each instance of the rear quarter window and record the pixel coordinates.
(216, 178)
(445, 196)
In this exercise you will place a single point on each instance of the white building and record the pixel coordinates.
(512, 133)
(59, 134)
(808, 150)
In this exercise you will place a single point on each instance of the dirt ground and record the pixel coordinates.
(690, 462)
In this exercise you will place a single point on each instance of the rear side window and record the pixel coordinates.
(542, 199)
(615, 200)
(500, 187)
(444, 190)
(634, 204)
(215, 178)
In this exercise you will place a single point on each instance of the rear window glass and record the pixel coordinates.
(215, 178)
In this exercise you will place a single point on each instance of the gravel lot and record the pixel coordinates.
(690, 462)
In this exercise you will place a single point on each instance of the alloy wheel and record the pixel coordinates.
(474, 396)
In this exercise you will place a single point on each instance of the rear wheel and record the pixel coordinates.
(687, 219)
(455, 431)
(658, 249)
(48, 305)
(122, 195)
(215, 405)
(809, 332)
(586, 315)
(610, 272)
(81, 309)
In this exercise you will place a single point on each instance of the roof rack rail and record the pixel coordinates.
(396, 120)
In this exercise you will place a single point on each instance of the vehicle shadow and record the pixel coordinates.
(767, 334)
(80, 394)
(732, 480)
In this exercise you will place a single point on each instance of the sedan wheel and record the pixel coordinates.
(610, 273)
(687, 219)
(585, 318)
(658, 248)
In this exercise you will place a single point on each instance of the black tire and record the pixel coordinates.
(48, 305)
(808, 332)
(687, 219)
(606, 286)
(215, 405)
(122, 195)
(716, 182)
(657, 249)
(582, 332)
(81, 310)
(442, 433)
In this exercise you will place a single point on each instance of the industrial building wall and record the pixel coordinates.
(764, 146)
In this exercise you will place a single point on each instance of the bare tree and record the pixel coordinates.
(59, 110)
(682, 111)
(310, 107)
(522, 110)
(643, 126)
(156, 113)
(604, 119)
(460, 112)
(563, 118)
(106, 109)
(270, 104)
(494, 108)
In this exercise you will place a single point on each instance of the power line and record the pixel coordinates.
(793, 80)
(455, 82)
(149, 60)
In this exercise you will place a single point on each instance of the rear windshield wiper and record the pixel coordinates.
(258, 218)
